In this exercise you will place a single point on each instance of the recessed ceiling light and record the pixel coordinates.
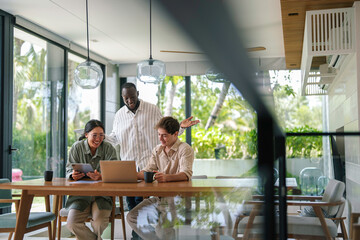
(293, 14)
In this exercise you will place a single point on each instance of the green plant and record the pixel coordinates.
(31, 157)
(250, 138)
(204, 143)
(303, 146)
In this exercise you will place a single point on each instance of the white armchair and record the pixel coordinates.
(305, 227)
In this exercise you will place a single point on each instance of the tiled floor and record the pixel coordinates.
(66, 235)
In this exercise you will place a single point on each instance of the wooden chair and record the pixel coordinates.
(317, 227)
(116, 213)
(197, 198)
(355, 226)
(37, 220)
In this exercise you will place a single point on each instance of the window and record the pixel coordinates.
(37, 107)
(83, 104)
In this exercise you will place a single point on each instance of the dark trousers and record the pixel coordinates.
(133, 201)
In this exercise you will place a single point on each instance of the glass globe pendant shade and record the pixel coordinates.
(88, 75)
(151, 71)
(215, 76)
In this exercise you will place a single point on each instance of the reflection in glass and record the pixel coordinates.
(181, 218)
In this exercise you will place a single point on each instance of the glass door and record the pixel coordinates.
(38, 102)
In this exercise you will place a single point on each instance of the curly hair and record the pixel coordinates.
(170, 124)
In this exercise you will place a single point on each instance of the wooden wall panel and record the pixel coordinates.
(293, 21)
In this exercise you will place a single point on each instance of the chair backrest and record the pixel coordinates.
(333, 193)
(340, 211)
(5, 193)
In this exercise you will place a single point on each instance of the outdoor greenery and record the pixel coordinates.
(29, 113)
(292, 109)
(32, 106)
(233, 127)
(303, 146)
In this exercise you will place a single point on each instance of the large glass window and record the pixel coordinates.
(227, 130)
(38, 102)
(37, 106)
(83, 104)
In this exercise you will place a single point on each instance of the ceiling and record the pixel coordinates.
(293, 17)
(119, 29)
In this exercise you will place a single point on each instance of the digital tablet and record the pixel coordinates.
(82, 167)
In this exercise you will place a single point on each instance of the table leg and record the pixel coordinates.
(23, 214)
(56, 208)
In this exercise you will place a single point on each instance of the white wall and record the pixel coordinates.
(344, 112)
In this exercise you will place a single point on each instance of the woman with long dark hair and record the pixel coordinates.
(90, 149)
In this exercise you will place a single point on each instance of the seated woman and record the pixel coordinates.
(89, 149)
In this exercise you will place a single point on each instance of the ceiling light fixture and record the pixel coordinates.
(151, 70)
(215, 76)
(88, 74)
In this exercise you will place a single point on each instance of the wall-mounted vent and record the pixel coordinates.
(328, 37)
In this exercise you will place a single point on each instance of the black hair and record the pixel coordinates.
(90, 125)
(170, 124)
(128, 85)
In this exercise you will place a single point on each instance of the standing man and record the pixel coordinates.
(172, 160)
(133, 129)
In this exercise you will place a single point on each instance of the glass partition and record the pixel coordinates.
(225, 146)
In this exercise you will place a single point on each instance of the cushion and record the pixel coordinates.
(308, 211)
(8, 220)
(296, 225)
(333, 193)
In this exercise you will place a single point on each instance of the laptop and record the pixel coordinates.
(118, 171)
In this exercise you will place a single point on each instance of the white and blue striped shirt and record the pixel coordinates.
(135, 132)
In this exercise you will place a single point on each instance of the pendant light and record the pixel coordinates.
(215, 76)
(151, 70)
(88, 74)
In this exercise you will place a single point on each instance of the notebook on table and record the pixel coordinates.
(118, 171)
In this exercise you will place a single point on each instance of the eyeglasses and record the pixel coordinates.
(97, 135)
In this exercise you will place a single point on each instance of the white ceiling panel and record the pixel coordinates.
(120, 28)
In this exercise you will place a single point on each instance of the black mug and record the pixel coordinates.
(48, 175)
(149, 177)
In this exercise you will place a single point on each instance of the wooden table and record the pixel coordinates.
(62, 186)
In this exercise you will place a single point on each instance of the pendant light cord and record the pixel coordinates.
(150, 34)
(87, 31)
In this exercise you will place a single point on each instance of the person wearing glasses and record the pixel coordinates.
(90, 148)
(133, 129)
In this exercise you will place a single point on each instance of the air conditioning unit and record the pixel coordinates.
(327, 75)
(335, 61)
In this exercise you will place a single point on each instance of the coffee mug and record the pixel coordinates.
(149, 177)
(48, 175)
